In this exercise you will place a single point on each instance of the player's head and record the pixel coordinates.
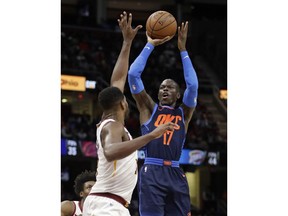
(111, 99)
(84, 182)
(169, 92)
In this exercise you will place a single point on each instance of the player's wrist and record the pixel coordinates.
(151, 136)
(127, 42)
(150, 44)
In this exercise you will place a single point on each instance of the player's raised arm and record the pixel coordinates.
(144, 102)
(190, 76)
(120, 70)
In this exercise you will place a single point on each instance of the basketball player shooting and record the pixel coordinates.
(163, 187)
(117, 156)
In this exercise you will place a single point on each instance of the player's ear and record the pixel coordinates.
(178, 95)
(81, 194)
(122, 104)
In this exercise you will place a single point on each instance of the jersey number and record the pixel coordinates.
(164, 118)
(167, 137)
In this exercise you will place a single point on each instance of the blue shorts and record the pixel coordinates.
(163, 190)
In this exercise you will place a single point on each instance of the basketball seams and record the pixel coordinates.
(153, 23)
(157, 20)
(165, 26)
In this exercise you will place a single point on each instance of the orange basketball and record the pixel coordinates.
(161, 24)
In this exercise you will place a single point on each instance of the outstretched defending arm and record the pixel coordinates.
(120, 70)
(116, 149)
(190, 76)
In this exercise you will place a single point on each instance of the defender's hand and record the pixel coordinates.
(161, 129)
(125, 25)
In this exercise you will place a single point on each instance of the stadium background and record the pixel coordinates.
(90, 44)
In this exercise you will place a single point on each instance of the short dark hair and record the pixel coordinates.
(109, 97)
(81, 179)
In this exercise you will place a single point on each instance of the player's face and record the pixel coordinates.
(87, 188)
(168, 93)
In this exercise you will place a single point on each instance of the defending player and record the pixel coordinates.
(117, 156)
(82, 186)
(163, 188)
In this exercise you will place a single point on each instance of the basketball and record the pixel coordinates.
(161, 24)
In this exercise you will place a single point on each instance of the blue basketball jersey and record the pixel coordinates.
(169, 145)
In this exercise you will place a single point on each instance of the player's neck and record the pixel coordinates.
(169, 105)
(113, 115)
